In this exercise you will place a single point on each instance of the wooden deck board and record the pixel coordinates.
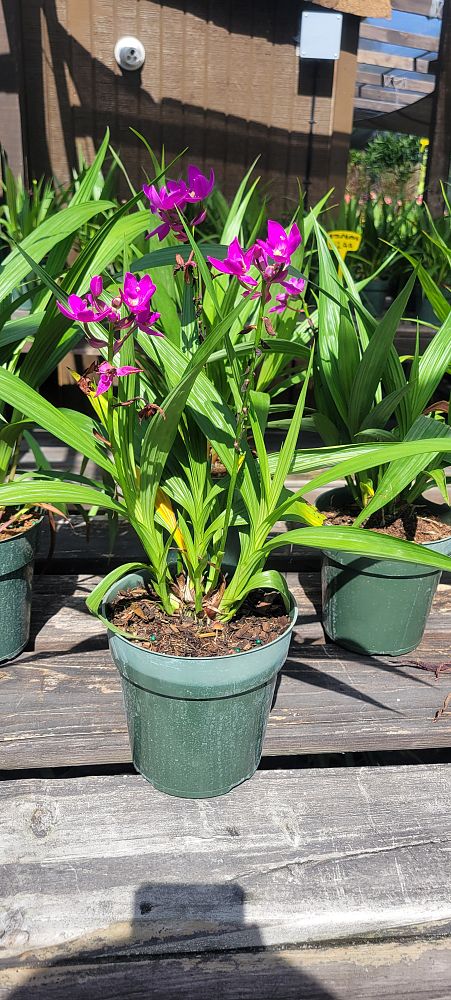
(106, 867)
(393, 970)
(61, 702)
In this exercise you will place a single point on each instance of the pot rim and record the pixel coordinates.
(432, 503)
(21, 534)
(293, 613)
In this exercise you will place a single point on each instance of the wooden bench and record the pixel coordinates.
(308, 882)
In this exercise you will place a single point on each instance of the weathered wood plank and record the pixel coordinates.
(77, 550)
(393, 36)
(429, 8)
(374, 57)
(399, 970)
(61, 702)
(106, 866)
(387, 95)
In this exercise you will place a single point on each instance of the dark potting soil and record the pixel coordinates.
(261, 619)
(407, 525)
(10, 527)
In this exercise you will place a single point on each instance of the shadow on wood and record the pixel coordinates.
(133, 958)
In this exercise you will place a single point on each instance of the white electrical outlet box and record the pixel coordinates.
(320, 35)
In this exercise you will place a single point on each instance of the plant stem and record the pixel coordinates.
(241, 428)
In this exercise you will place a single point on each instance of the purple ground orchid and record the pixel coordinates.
(199, 186)
(280, 245)
(137, 292)
(136, 296)
(145, 320)
(294, 288)
(174, 197)
(109, 372)
(237, 263)
(84, 310)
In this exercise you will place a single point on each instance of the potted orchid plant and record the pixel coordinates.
(198, 640)
(363, 394)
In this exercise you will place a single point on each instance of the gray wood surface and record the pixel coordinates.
(76, 549)
(61, 702)
(393, 970)
(108, 867)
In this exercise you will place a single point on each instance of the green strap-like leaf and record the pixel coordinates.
(33, 491)
(374, 359)
(269, 579)
(95, 598)
(403, 471)
(27, 401)
(360, 542)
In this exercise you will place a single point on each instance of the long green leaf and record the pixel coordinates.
(162, 430)
(402, 472)
(374, 360)
(432, 367)
(95, 598)
(264, 580)
(361, 542)
(31, 491)
(38, 244)
(27, 401)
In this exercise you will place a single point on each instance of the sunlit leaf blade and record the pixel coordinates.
(374, 360)
(27, 401)
(31, 491)
(403, 472)
(15, 267)
(360, 542)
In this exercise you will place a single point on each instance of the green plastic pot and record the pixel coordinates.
(424, 309)
(16, 580)
(377, 606)
(196, 726)
(374, 295)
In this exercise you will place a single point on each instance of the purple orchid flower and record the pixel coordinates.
(174, 198)
(84, 310)
(164, 203)
(280, 245)
(145, 319)
(281, 303)
(199, 186)
(294, 287)
(137, 292)
(174, 195)
(109, 372)
(269, 272)
(200, 218)
(96, 286)
(237, 263)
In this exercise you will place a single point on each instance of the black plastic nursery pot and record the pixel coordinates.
(377, 606)
(196, 725)
(16, 580)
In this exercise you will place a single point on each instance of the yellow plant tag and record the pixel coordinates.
(345, 240)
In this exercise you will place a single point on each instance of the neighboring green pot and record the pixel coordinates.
(377, 606)
(196, 726)
(16, 579)
(424, 309)
(374, 295)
